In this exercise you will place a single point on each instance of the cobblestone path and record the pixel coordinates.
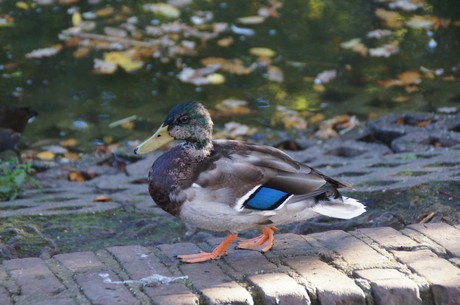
(417, 265)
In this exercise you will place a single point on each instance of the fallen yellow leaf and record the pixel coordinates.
(69, 143)
(45, 155)
(262, 52)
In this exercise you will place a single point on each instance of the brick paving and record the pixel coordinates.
(417, 265)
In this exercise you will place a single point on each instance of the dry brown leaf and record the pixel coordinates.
(105, 12)
(275, 74)
(45, 52)
(231, 107)
(233, 66)
(102, 198)
(76, 176)
(71, 156)
(225, 42)
(81, 52)
(410, 78)
(69, 143)
(421, 22)
(317, 118)
(401, 99)
(390, 19)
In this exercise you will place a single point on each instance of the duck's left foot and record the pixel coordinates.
(217, 253)
(261, 243)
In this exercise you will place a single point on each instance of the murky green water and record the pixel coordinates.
(306, 36)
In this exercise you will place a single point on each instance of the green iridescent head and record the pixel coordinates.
(188, 121)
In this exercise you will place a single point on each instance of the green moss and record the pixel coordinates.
(87, 232)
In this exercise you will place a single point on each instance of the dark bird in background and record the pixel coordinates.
(13, 120)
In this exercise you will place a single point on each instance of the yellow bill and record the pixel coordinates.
(159, 139)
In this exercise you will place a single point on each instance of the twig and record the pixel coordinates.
(124, 41)
(449, 194)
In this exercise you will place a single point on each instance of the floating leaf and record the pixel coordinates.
(325, 77)
(385, 51)
(230, 107)
(391, 19)
(249, 20)
(76, 19)
(234, 66)
(197, 77)
(225, 42)
(420, 22)
(81, 52)
(275, 74)
(242, 31)
(122, 121)
(124, 60)
(6, 21)
(379, 33)
(236, 129)
(105, 12)
(116, 32)
(406, 5)
(22, 5)
(216, 79)
(164, 9)
(408, 78)
(69, 143)
(262, 52)
(45, 52)
(104, 67)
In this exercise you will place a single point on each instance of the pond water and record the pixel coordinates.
(366, 77)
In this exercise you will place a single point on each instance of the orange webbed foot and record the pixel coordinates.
(217, 253)
(261, 243)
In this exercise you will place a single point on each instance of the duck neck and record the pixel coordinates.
(200, 149)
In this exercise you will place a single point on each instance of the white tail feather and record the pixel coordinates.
(348, 209)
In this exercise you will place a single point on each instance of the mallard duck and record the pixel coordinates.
(224, 185)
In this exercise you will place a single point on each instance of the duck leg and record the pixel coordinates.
(261, 243)
(218, 252)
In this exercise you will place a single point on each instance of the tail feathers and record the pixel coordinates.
(348, 209)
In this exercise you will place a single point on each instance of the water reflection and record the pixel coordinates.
(307, 36)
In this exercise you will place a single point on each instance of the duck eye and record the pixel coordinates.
(184, 119)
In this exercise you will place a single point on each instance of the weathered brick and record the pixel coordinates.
(3, 275)
(354, 251)
(424, 241)
(444, 234)
(5, 298)
(391, 287)
(440, 273)
(279, 288)
(245, 261)
(172, 250)
(33, 276)
(79, 261)
(389, 238)
(56, 301)
(290, 244)
(139, 263)
(208, 278)
(332, 286)
(103, 292)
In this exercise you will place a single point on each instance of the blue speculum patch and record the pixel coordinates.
(265, 198)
